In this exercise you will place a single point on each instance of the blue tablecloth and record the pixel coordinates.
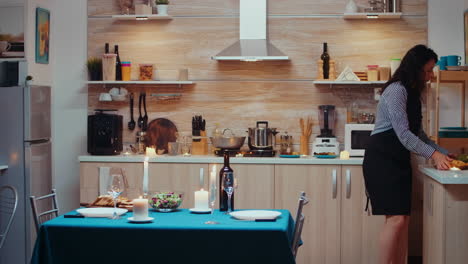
(175, 237)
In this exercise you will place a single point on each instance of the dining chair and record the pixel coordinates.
(40, 211)
(300, 218)
(8, 204)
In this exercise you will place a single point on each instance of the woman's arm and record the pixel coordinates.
(427, 140)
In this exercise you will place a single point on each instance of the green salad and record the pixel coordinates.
(463, 157)
(166, 200)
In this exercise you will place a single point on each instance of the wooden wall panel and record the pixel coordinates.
(236, 94)
(190, 43)
(231, 7)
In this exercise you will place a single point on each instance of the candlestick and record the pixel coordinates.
(145, 176)
(213, 176)
(140, 209)
(150, 152)
(201, 199)
(344, 155)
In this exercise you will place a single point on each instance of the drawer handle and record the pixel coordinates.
(334, 187)
(348, 184)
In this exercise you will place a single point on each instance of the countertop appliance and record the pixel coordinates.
(262, 137)
(356, 138)
(25, 146)
(326, 142)
(105, 133)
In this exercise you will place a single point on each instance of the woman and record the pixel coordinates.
(398, 131)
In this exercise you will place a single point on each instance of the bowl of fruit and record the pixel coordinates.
(166, 201)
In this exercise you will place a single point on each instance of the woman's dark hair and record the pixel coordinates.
(410, 71)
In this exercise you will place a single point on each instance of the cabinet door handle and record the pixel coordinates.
(335, 185)
(348, 184)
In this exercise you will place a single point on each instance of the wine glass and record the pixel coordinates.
(212, 198)
(115, 187)
(228, 186)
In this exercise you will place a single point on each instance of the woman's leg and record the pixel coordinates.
(403, 243)
(390, 238)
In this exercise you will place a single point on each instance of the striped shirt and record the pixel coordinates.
(391, 113)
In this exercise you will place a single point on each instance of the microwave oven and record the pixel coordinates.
(356, 138)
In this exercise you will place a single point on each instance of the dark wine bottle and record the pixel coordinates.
(225, 173)
(118, 65)
(106, 48)
(326, 61)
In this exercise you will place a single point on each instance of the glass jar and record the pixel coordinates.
(372, 73)
(141, 142)
(146, 72)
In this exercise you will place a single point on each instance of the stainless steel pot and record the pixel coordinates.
(228, 142)
(261, 136)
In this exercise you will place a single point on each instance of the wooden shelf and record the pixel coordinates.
(142, 17)
(350, 82)
(389, 15)
(451, 76)
(140, 82)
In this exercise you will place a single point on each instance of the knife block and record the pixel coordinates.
(201, 147)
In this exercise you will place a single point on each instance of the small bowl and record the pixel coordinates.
(166, 201)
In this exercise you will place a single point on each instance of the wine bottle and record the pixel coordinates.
(106, 48)
(225, 171)
(118, 65)
(326, 61)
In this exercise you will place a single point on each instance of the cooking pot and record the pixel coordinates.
(261, 136)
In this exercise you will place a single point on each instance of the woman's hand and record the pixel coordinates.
(441, 161)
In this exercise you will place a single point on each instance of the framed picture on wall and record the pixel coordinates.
(42, 35)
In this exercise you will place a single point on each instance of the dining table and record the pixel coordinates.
(172, 237)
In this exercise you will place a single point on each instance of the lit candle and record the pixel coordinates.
(150, 152)
(145, 176)
(140, 209)
(201, 199)
(344, 155)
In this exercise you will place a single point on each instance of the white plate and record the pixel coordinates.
(200, 211)
(147, 219)
(100, 212)
(255, 214)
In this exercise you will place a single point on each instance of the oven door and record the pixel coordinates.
(356, 138)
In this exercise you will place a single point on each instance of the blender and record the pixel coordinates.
(326, 143)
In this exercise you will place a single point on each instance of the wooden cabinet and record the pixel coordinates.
(183, 177)
(255, 185)
(89, 179)
(359, 230)
(445, 229)
(337, 229)
(321, 233)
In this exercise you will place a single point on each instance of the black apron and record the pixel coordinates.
(387, 166)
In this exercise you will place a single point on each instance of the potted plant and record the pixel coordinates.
(161, 5)
(94, 65)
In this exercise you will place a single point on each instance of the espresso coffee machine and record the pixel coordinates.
(326, 143)
(104, 133)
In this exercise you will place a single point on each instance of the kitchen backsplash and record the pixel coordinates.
(237, 94)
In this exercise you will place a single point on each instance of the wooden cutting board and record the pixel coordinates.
(160, 131)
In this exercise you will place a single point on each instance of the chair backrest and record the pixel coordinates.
(41, 215)
(8, 204)
(303, 200)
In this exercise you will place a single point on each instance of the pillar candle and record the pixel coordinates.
(140, 209)
(344, 155)
(145, 176)
(201, 199)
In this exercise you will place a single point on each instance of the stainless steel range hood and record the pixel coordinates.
(253, 44)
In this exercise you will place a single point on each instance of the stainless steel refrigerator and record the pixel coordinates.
(25, 147)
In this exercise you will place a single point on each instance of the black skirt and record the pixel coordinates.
(387, 175)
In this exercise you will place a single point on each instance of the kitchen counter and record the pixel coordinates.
(3, 167)
(446, 177)
(213, 159)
